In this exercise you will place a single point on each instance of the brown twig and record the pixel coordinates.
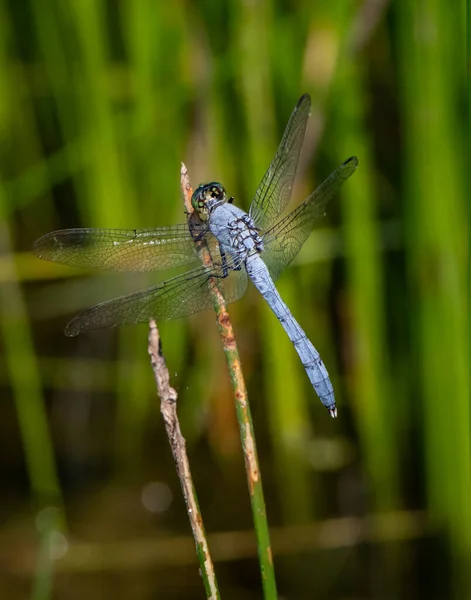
(168, 409)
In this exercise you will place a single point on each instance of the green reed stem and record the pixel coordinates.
(375, 413)
(436, 206)
(244, 417)
(25, 381)
(468, 74)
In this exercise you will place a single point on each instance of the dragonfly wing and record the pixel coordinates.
(180, 296)
(284, 240)
(274, 191)
(120, 249)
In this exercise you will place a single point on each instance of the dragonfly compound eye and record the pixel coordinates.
(198, 200)
(216, 192)
(205, 193)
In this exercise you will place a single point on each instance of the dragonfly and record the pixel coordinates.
(257, 245)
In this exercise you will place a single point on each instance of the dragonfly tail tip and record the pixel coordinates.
(333, 412)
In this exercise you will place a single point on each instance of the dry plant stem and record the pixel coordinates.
(168, 408)
(244, 416)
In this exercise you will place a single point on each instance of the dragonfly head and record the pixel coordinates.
(207, 196)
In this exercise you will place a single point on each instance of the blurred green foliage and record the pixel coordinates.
(99, 103)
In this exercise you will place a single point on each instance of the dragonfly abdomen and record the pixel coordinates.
(310, 358)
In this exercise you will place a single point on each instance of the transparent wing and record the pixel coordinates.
(120, 249)
(274, 191)
(180, 296)
(284, 240)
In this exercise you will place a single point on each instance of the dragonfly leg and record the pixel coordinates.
(199, 236)
(224, 266)
(225, 272)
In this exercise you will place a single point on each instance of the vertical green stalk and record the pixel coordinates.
(435, 203)
(17, 123)
(107, 193)
(54, 34)
(25, 381)
(369, 377)
(376, 410)
(48, 524)
(15, 329)
(468, 188)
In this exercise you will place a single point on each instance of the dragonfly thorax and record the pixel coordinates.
(207, 196)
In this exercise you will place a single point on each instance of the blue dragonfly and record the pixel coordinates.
(256, 245)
